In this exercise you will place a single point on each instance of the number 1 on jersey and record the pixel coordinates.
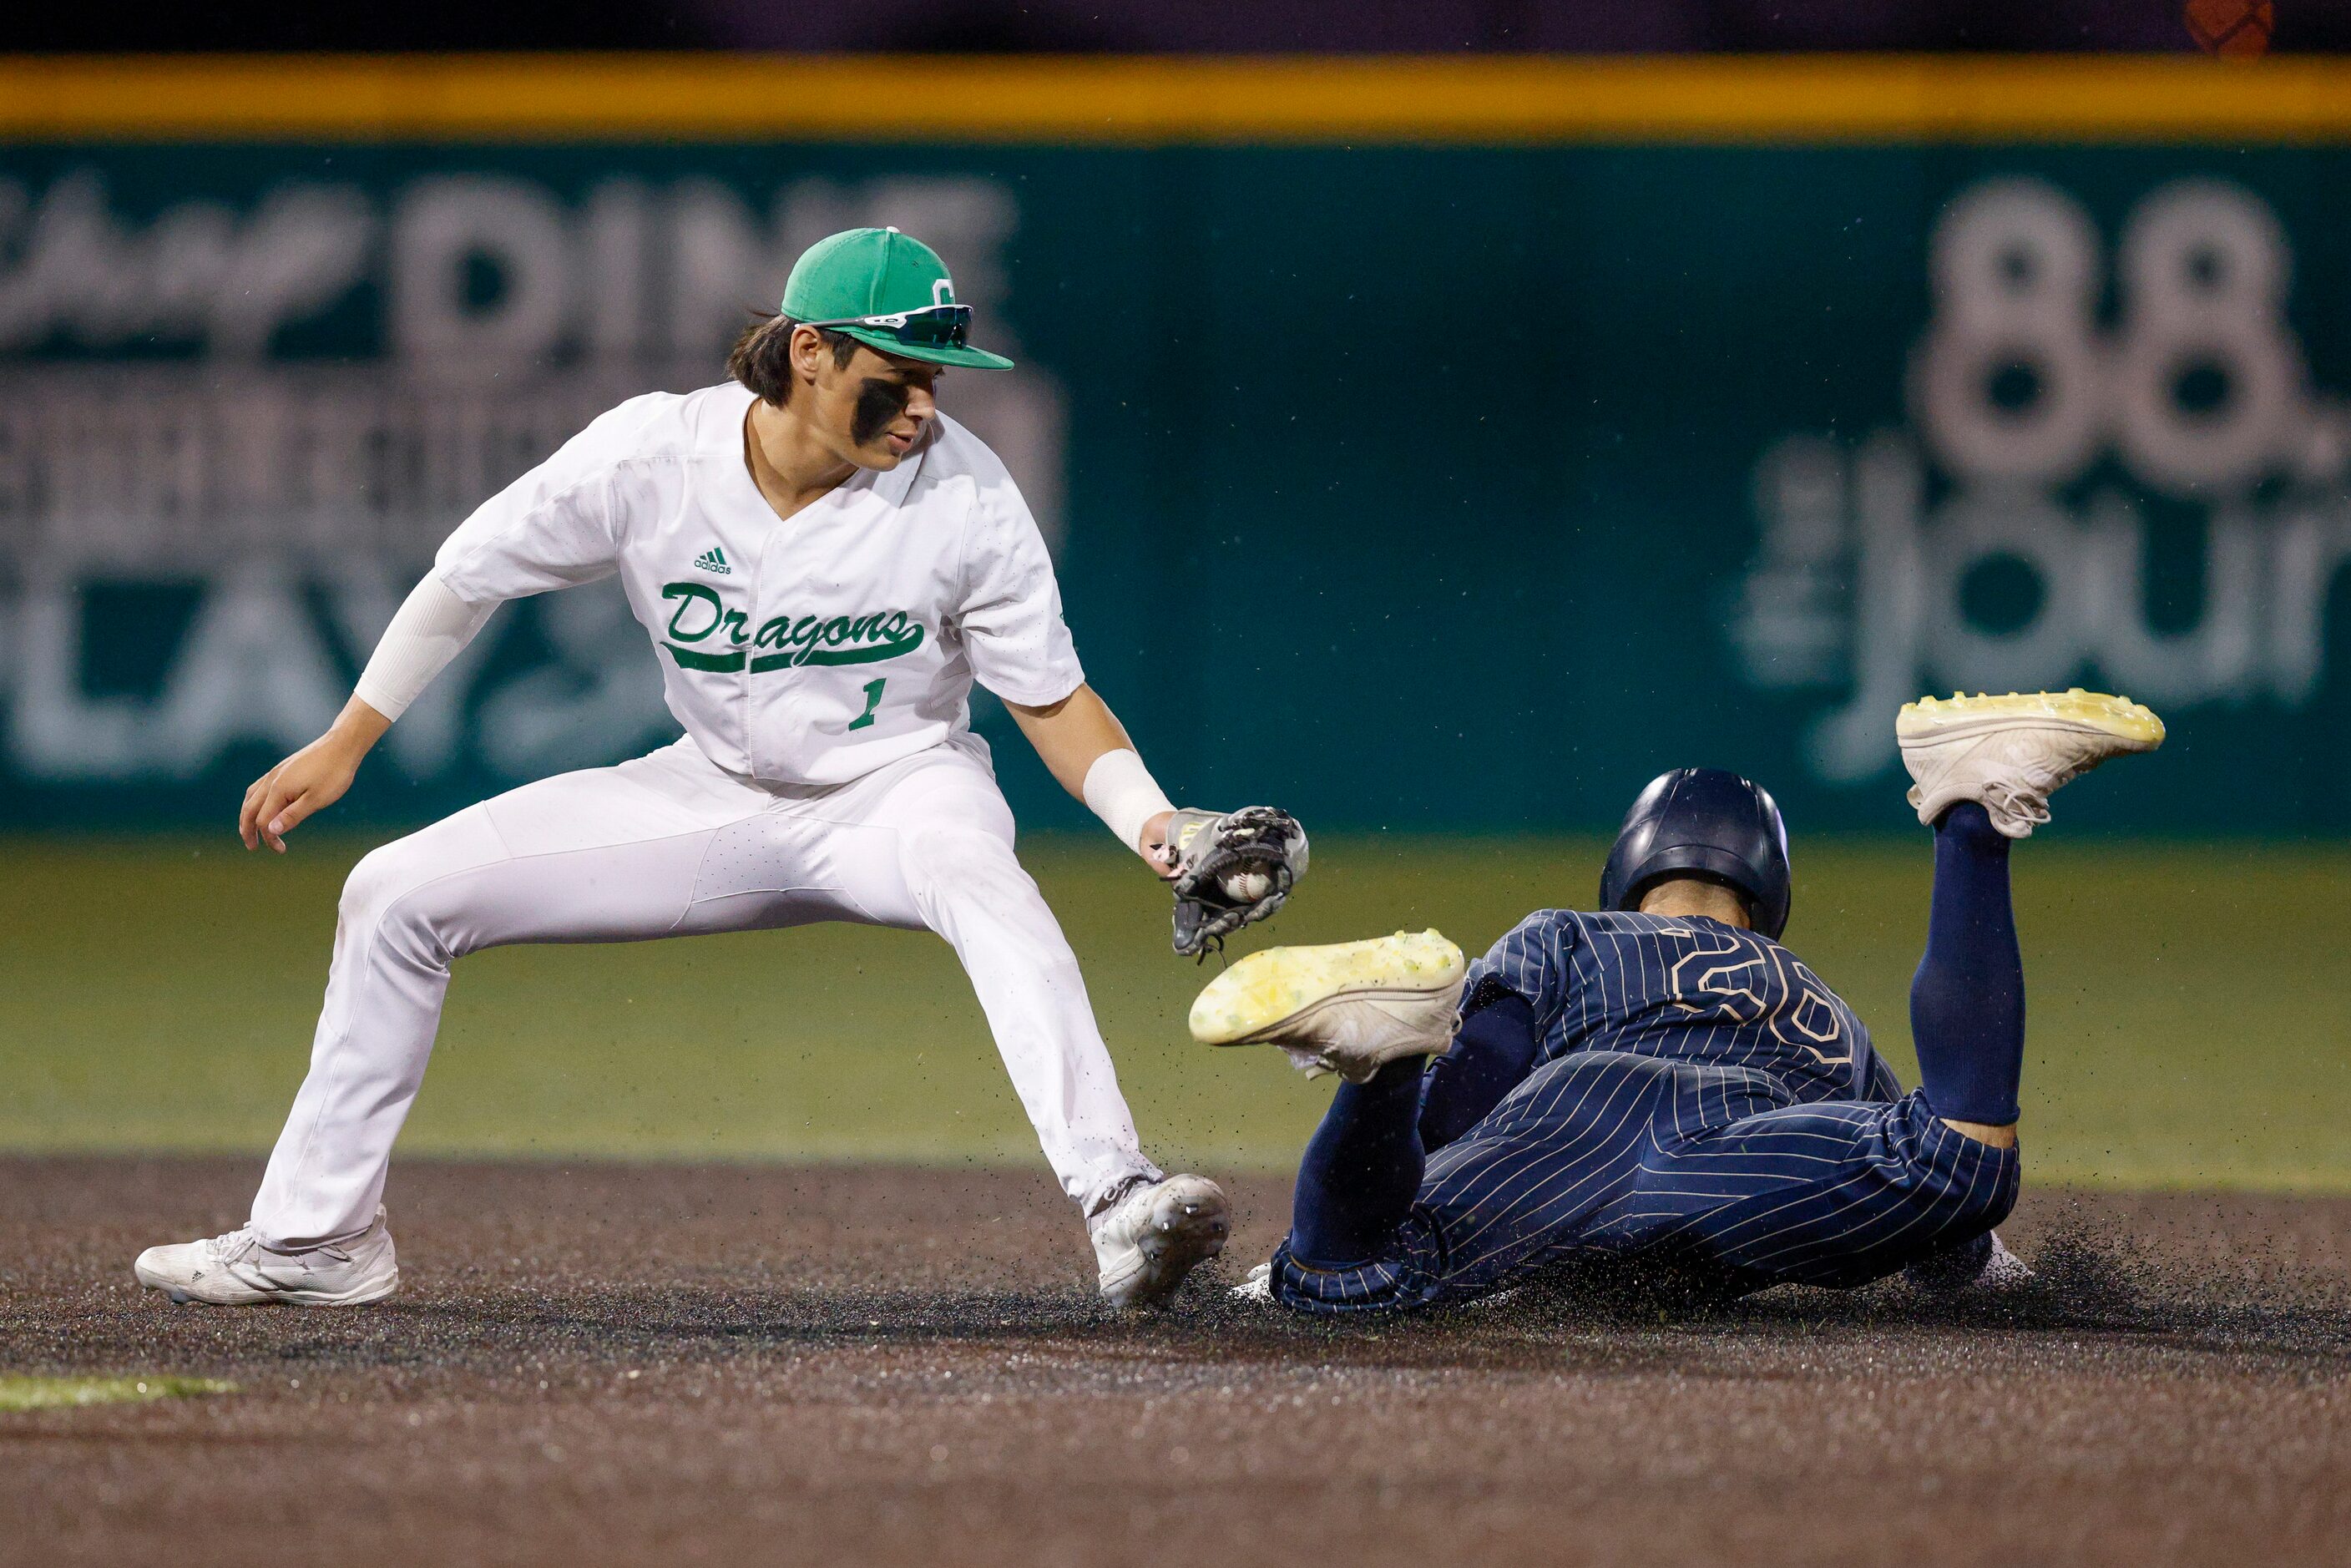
(872, 701)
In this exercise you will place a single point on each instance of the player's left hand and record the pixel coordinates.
(1231, 868)
(1158, 852)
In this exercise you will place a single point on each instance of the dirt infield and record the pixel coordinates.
(760, 1364)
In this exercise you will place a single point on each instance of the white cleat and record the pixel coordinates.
(2010, 752)
(1160, 1231)
(236, 1270)
(1350, 1008)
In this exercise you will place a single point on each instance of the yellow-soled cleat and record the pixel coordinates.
(1349, 1008)
(2010, 752)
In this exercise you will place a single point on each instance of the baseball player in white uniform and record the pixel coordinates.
(825, 563)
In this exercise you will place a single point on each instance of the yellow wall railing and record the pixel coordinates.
(1143, 101)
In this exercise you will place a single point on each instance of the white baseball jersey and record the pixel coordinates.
(806, 650)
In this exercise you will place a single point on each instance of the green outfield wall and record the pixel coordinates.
(1457, 472)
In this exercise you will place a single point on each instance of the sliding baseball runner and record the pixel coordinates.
(825, 563)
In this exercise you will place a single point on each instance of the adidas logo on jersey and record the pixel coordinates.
(714, 559)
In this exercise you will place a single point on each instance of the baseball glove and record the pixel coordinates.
(1232, 869)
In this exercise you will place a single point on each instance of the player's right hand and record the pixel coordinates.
(310, 780)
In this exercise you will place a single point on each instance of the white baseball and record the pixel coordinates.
(1248, 886)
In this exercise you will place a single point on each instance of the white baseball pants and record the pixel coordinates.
(669, 846)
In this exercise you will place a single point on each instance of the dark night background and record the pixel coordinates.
(1152, 27)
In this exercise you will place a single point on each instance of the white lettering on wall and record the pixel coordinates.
(508, 313)
(2042, 436)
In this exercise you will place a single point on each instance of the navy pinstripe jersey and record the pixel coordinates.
(1687, 989)
(1704, 1110)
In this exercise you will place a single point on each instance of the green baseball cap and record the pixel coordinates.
(888, 290)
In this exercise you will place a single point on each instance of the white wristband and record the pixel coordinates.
(1122, 792)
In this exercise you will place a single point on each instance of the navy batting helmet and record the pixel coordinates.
(1705, 823)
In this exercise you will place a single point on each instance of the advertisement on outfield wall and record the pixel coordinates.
(1425, 489)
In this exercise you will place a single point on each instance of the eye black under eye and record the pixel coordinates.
(878, 402)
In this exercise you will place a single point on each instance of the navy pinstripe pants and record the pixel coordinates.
(1611, 1154)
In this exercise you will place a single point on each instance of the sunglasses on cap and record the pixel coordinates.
(933, 327)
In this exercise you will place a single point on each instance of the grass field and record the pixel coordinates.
(2191, 1008)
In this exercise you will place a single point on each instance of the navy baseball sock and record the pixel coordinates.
(1361, 1169)
(1491, 1056)
(1967, 1004)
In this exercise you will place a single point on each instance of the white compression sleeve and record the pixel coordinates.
(1122, 792)
(432, 626)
